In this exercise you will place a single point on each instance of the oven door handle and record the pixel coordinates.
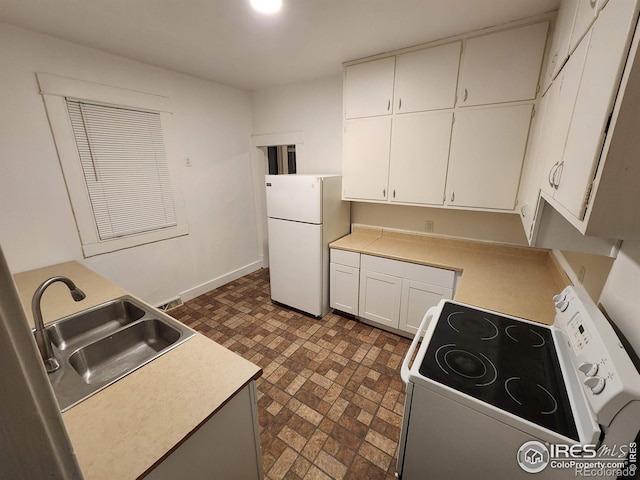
(404, 370)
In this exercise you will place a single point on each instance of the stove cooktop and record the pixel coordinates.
(504, 362)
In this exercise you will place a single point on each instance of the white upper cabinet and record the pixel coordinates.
(536, 158)
(559, 51)
(502, 66)
(368, 88)
(487, 150)
(588, 87)
(427, 79)
(585, 16)
(567, 85)
(399, 118)
(419, 157)
(575, 18)
(366, 145)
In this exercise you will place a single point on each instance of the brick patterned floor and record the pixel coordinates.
(330, 400)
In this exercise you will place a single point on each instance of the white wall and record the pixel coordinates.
(211, 124)
(621, 294)
(590, 271)
(492, 227)
(313, 108)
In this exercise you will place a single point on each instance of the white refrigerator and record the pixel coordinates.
(305, 213)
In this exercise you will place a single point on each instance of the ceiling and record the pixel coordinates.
(225, 41)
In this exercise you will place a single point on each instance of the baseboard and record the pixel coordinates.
(219, 281)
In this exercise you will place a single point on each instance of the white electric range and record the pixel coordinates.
(494, 396)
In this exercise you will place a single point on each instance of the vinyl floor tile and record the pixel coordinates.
(330, 398)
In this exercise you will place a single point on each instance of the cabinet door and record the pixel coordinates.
(419, 157)
(380, 297)
(536, 158)
(427, 79)
(585, 16)
(567, 85)
(559, 51)
(417, 298)
(605, 58)
(344, 283)
(365, 159)
(368, 88)
(212, 451)
(487, 151)
(502, 66)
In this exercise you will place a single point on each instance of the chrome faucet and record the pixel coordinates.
(41, 334)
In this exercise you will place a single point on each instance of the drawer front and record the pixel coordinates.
(342, 257)
(410, 271)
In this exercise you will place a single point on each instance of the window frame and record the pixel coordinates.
(54, 90)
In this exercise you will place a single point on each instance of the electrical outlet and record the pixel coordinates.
(581, 273)
(428, 226)
(187, 162)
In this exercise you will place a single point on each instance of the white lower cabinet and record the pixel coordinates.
(417, 298)
(393, 294)
(225, 446)
(380, 296)
(344, 282)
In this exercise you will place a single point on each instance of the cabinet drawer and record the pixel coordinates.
(410, 271)
(342, 257)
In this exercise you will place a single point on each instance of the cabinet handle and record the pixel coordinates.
(384, 193)
(466, 94)
(558, 172)
(394, 193)
(389, 105)
(523, 210)
(399, 104)
(453, 196)
(593, 3)
(550, 178)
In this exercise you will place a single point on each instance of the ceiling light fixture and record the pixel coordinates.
(266, 6)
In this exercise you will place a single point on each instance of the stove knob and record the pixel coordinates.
(596, 384)
(589, 369)
(562, 305)
(561, 297)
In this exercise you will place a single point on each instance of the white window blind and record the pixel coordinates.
(125, 168)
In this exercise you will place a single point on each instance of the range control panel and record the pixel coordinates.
(605, 370)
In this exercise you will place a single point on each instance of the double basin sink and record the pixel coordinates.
(98, 346)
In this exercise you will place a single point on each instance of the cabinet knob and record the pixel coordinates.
(389, 105)
(593, 3)
(466, 95)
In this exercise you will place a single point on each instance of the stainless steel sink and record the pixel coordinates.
(99, 346)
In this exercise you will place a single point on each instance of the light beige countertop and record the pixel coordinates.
(518, 281)
(123, 430)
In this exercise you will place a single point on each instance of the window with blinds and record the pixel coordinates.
(125, 168)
